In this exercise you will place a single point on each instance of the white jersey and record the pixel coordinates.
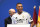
(23, 18)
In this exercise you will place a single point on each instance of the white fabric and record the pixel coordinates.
(18, 25)
(23, 18)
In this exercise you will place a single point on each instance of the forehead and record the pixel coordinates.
(12, 11)
(19, 4)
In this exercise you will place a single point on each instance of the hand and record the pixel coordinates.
(39, 6)
(34, 7)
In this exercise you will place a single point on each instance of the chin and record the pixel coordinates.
(21, 12)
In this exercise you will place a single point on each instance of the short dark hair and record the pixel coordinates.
(18, 3)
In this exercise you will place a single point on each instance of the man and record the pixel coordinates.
(8, 19)
(21, 17)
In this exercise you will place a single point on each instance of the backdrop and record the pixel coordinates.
(5, 5)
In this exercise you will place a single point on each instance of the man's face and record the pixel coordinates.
(11, 13)
(19, 7)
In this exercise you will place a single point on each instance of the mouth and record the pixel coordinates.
(21, 10)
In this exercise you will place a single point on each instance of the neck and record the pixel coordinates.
(11, 16)
(19, 13)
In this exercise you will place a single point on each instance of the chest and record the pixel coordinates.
(22, 17)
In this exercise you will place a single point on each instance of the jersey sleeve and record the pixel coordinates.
(29, 18)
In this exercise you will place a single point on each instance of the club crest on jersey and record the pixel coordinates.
(23, 16)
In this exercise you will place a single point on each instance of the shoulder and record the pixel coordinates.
(7, 18)
(15, 14)
(26, 13)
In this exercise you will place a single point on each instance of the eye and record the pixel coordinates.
(14, 12)
(21, 6)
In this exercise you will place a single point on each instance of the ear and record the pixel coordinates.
(9, 13)
(16, 7)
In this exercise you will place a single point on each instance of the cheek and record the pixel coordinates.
(14, 13)
(22, 7)
(9, 14)
(18, 8)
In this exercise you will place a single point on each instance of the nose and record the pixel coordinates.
(20, 7)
